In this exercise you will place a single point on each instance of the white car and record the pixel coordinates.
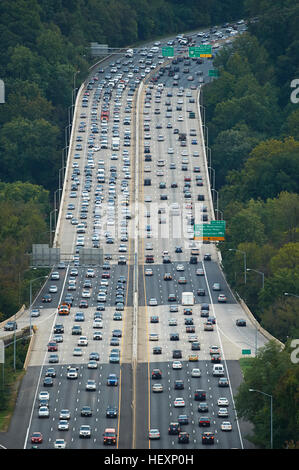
(82, 341)
(53, 289)
(92, 365)
(43, 395)
(77, 352)
(64, 414)
(85, 430)
(85, 294)
(222, 412)
(226, 426)
(222, 401)
(154, 434)
(153, 302)
(63, 425)
(172, 322)
(157, 388)
(177, 365)
(59, 444)
(72, 373)
(90, 385)
(195, 373)
(97, 324)
(43, 412)
(179, 403)
(153, 337)
(180, 267)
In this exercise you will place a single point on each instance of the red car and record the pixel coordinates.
(52, 346)
(37, 438)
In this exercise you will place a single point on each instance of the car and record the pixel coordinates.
(82, 341)
(195, 346)
(222, 412)
(172, 298)
(153, 337)
(64, 414)
(167, 277)
(36, 438)
(193, 358)
(85, 431)
(10, 326)
(153, 302)
(207, 438)
(200, 395)
(53, 289)
(222, 401)
(183, 419)
(50, 372)
(112, 380)
(90, 385)
(174, 429)
(207, 257)
(72, 372)
(111, 412)
(215, 358)
(179, 384)
(94, 356)
(77, 352)
(52, 346)
(179, 403)
(47, 298)
(240, 322)
(59, 444)
(154, 434)
(63, 425)
(195, 372)
(226, 426)
(223, 382)
(184, 437)
(156, 374)
(177, 365)
(86, 411)
(201, 292)
(109, 436)
(43, 412)
(208, 326)
(35, 312)
(222, 298)
(180, 267)
(76, 330)
(157, 350)
(204, 421)
(174, 337)
(48, 382)
(157, 388)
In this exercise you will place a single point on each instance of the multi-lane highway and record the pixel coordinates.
(136, 182)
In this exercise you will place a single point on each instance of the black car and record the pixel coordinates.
(174, 337)
(188, 321)
(201, 292)
(241, 322)
(184, 438)
(50, 372)
(58, 328)
(207, 438)
(207, 257)
(48, 381)
(111, 412)
(157, 350)
(178, 249)
(203, 407)
(204, 421)
(195, 346)
(179, 385)
(200, 395)
(86, 411)
(176, 354)
(156, 374)
(174, 428)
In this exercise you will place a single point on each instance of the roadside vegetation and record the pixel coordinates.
(254, 140)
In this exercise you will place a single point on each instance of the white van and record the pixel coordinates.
(218, 370)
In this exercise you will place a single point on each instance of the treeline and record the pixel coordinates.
(44, 54)
(254, 139)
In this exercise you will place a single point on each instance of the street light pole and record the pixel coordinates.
(259, 272)
(245, 269)
(30, 299)
(293, 295)
(271, 413)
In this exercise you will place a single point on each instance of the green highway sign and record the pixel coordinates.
(213, 73)
(167, 51)
(210, 231)
(200, 51)
(246, 351)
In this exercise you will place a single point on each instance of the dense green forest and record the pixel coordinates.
(43, 45)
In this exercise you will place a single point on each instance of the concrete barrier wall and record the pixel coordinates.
(14, 317)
